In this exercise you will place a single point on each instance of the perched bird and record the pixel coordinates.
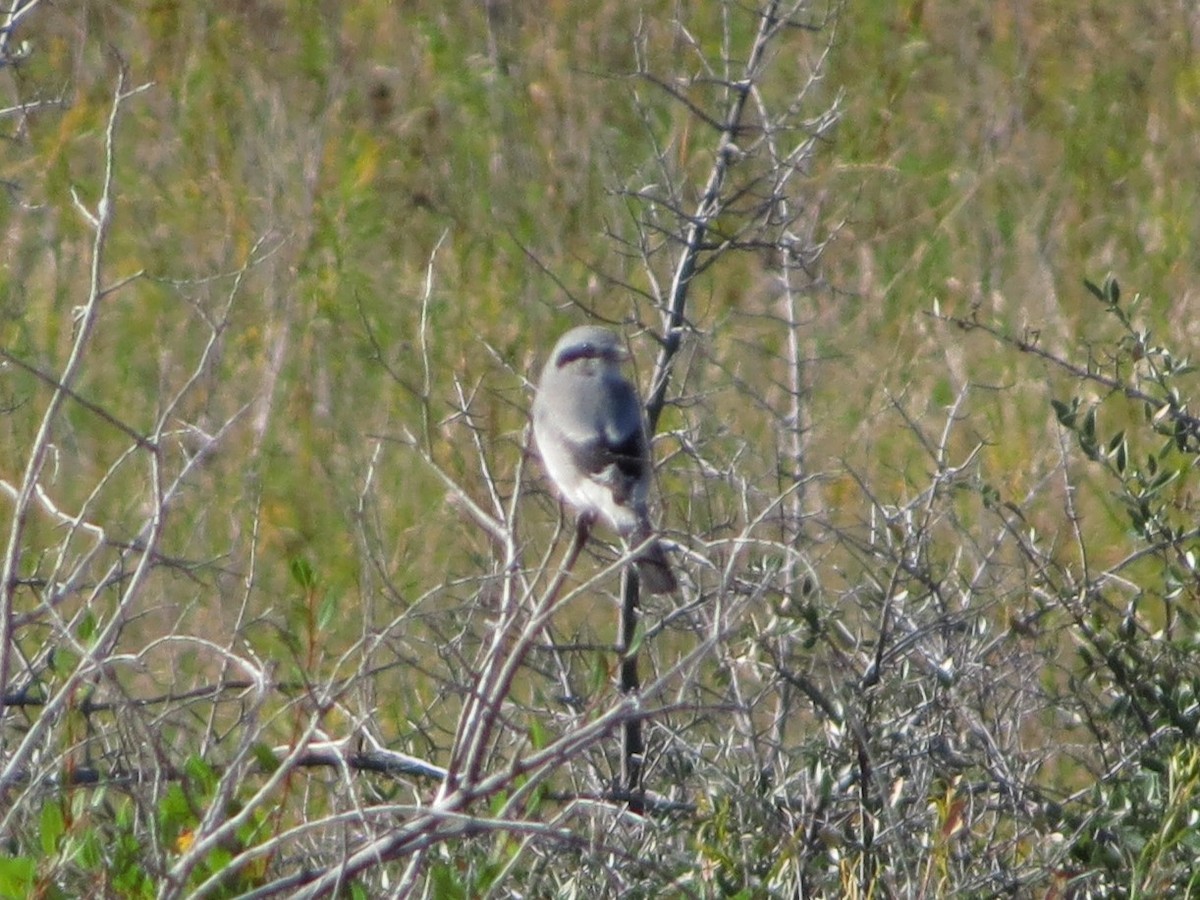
(587, 421)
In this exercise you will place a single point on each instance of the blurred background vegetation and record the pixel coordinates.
(989, 157)
(422, 195)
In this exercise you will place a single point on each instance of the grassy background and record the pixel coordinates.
(986, 159)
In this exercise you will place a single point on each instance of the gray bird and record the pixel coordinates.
(587, 421)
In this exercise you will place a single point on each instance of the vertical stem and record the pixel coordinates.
(632, 746)
(707, 210)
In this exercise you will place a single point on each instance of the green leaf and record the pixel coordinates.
(174, 811)
(303, 573)
(1087, 435)
(445, 884)
(87, 627)
(218, 860)
(1119, 451)
(17, 874)
(497, 802)
(91, 853)
(52, 827)
(1165, 477)
(329, 608)
(1065, 412)
(598, 676)
(201, 773)
(538, 736)
(1095, 291)
(62, 660)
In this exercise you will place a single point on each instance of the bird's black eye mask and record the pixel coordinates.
(582, 351)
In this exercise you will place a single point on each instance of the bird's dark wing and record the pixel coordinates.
(627, 454)
(618, 452)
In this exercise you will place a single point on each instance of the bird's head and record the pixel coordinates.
(589, 344)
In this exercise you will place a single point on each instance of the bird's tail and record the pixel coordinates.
(653, 566)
